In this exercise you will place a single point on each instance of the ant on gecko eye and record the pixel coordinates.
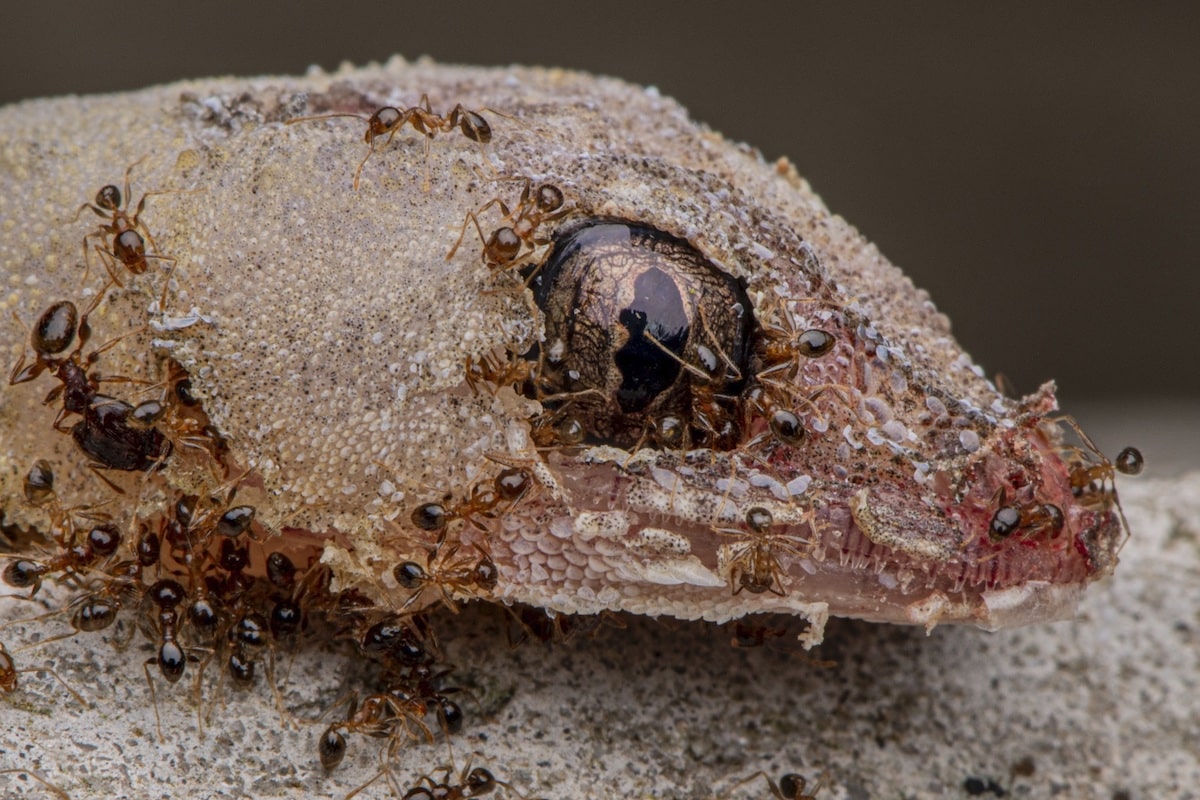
(389, 120)
(514, 244)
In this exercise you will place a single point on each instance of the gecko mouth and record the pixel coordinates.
(881, 551)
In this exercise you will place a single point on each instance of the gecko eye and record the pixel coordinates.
(640, 328)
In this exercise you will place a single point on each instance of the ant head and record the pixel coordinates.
(109, 198)
(549, 198)
(1129, 461)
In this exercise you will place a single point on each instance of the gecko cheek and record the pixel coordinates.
(642, 329)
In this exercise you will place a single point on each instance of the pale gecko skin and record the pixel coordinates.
(327, 335)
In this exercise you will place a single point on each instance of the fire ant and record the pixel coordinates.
(516, 243)
(105, 433)
(450, 576)
(380, 716)
(472, 782)
(122, 238)
(510, 485)
(752, 564)
(389, 120)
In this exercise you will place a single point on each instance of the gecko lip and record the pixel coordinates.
(877, 551)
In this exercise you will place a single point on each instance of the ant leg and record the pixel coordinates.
(153, 695)
(470, 217)
(363, 163)
(358, 789)
(37, 776)
(107, 257)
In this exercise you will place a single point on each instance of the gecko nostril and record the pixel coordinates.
(640, 329)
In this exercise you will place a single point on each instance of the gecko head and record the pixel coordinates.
(893, 487)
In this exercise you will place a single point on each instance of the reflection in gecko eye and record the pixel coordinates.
(642, 332)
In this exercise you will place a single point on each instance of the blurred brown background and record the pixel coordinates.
(1036, 168)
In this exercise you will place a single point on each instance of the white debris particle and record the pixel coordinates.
(798, 486)
(895, 431)
(761, 251)
(848, 435)
(659, 541)
(736, 488)
(604, 524)
(665, 478)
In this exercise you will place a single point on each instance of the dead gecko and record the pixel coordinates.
(712, 397)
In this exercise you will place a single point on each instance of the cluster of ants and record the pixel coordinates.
(200, 579)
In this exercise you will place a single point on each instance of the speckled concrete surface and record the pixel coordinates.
(1106, 707)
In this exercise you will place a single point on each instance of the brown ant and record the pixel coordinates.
(515, 244)
(509, 485)
(1093, 475)
(785, 344)
(752, 563)
(389, 120)
(171, 660)
(101, 542)
(450, 576)
(472, 782)
(790, 787)
(122, 238)
(78, 553)
(1034, 520)
(380, 716)
(176, 416)
(445, 569)
(64, 527)
(496, 372)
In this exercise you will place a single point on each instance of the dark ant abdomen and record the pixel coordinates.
(107, 437)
